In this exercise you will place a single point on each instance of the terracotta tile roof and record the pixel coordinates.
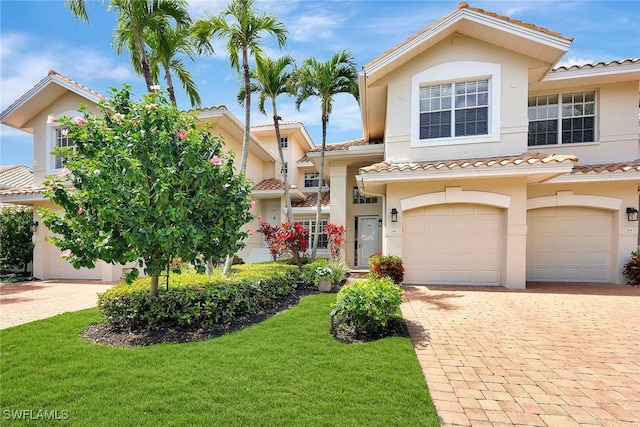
(282, 123)
(524, 159)
(312, 199)
(599, 64)
(13, 176)
(343, 146)
(24, 191)
(76, 84)
(464, 5)
(633, 166)
(271, 184)
(304, 159)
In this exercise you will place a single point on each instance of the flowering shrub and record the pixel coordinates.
(386, 266)
(285, 238)
(148, 186)
(632, 269)
(323, 272)
(335, 234)
(367, 305)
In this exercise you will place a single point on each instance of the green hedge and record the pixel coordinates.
(197, 298)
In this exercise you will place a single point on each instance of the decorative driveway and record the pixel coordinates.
(28, 301)
(551, 355)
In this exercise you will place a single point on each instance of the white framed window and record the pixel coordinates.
(56, 136)
(284, 142)
(456, 103)
(323, 238)
(565, 118)
(312, 179)
(61, 140)
(284, 169)
(361, 199)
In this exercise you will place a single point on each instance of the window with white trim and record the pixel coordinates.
(284, 142)
(61, 139)
(312, 179)
(284, 169)
(565, 118)
(454, 109)
(361, 199)
(323, 238)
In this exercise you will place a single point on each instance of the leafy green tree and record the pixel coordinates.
(16, 247)
(147, 185)
(242, 28)
(324, 80)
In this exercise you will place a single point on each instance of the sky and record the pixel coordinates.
(41, 35)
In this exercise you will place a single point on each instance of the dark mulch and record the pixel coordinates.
(106, 335)
(346, 334)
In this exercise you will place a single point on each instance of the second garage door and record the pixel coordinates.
(459, 244)
(569, 244)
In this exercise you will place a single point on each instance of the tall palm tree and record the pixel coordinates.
(137, 21)
(242, 28)
(162, 58)
(324, 80)
(270, 79)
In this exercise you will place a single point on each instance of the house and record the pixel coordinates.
(481, 163)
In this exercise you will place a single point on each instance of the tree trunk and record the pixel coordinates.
(144, 61)
(316, 232)
(247, 110)
(154, 284)
(228, 261)
(172, 93)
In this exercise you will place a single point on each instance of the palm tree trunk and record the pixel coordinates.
(172, 93)
(247, 110)
(316, 232)
(144, 61)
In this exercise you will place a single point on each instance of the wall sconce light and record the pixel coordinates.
(632, 214)
(394, 215)
(380, 222)
(34, 226)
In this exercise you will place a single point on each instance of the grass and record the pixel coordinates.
(286, 371)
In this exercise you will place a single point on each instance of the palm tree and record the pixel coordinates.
(243, 35)
(269, 80)
(163, 53)
(138, 20)
(324, 80)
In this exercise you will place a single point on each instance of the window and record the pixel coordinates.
(562, 118)
(360, 199)
(60, 140)
(461, 107)
(285, 168)
(284, 142)
(312, 179)
(323, 238)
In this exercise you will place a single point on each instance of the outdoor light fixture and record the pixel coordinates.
(34, 226)
(380, 222)
(394, 215)
(632, 214)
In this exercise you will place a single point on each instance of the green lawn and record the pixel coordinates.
(287, 370)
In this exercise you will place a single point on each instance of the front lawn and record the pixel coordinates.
(287, 370)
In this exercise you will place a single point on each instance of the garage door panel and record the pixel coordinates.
(571, 244)
(462, 243)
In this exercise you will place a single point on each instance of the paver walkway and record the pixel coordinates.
(551, 355)
(28, 301)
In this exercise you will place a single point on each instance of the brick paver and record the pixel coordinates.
(28, 301)
(551, 355)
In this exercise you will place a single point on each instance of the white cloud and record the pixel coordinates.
(314, 27)
(573, 60)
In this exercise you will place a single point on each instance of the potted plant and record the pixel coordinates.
(323, 279)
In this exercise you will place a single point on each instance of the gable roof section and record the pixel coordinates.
(46, 91)
(500, 30)
(14, 176)
(348, 145)
(602, 172)
(598, 73)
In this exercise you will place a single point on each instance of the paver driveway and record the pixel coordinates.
(28, 301)
(551, 355)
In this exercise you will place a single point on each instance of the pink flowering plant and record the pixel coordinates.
(142, 186)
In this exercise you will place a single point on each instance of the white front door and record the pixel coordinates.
(367, 239)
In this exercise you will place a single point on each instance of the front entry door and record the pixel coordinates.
(367, 239)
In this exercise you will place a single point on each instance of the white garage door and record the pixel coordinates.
(458, 244)
(569, 244)
(59, 268)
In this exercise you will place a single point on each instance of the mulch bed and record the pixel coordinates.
(106, 335)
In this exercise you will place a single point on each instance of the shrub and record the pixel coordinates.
(16, 247)
(367, 305)
(386, 266)
(632, 269)
(194, 299)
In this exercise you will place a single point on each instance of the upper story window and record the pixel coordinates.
(565, 118)
(56, 136)
(454, 109)
(284, 142)
(361, 199)
(285, 168)
(60, 140)
(456, 103)
(312, 179)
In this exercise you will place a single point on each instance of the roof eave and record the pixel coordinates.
(595, 177)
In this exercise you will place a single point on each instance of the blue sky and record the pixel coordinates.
(36, 36)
